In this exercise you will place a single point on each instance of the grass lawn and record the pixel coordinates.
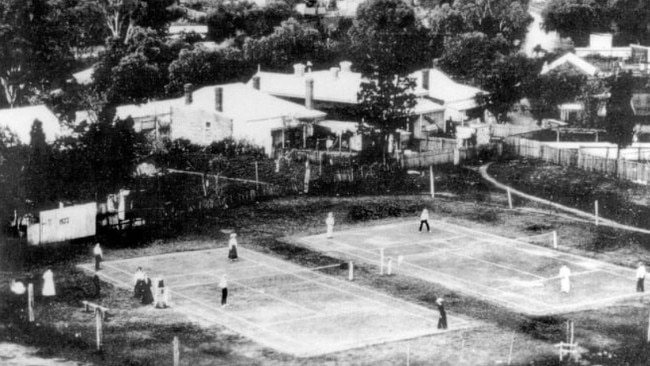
(141, 336)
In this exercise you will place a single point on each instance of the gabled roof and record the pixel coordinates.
(571, 59)
(239, 101)
(243, 102)
(20, 121)
(333, 86)
(452, 94)
(84, 77)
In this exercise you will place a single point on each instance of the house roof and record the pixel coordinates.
(84, 77)
(571, 59)
(239, 101)
(177, 29)
(20, 121)
(333, 85)
(449, 92)
(423, 105)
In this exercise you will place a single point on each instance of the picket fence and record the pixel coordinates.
(635, 171)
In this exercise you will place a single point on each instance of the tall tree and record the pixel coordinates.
(577, 18)
(546, 92)
(121, 17)
(386, 38)
(620, 120)
(37, 164)
(201, 67)
(290, 43)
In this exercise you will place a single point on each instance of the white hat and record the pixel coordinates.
(439, 300)
(232, 235)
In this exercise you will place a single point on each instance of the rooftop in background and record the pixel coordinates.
(336, 85)
(571, 60)
(445, 90)
(84, 77)
(20, 120)
(175, 30)
(240, 102)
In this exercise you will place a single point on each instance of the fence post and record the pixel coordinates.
(99, 328)
(257, 177)
(509, 199)
(596, 211)
(432, 182)
(351, 271)
(177, 354)
(30, 302)
(381, 260)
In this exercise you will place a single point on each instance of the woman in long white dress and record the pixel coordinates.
(48, 283)
(565, 284)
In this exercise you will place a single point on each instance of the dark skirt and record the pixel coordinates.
(147, 295)
(139, 289)
(232, 254)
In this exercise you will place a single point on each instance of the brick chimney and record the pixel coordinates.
(188, 93)
(218, 99)
(425, 79)
(309, 93)
(256, 82)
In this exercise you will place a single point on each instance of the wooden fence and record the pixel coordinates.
(635, 171)
(505, 131)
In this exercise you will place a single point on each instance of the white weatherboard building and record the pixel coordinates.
(20, 120)
(213, 113)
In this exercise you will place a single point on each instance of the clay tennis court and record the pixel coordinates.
(279, 304)
(509, 272)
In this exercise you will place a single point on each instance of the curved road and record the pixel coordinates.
(601, 221)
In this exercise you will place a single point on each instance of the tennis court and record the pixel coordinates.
(509, 272)
(304, 312)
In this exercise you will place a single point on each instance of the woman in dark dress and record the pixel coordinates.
(442, 321)
(232, 248)
(147, 295)
(138, 280)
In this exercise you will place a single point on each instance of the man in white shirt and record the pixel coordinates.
(640, 277)
(424, 220)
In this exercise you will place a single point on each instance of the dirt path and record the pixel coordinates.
(601, 221)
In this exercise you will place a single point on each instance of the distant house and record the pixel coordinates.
(20, 120)
(460, 101)
(175, 30)
(336, 91)
(571, 62)
(84, 77)
(213, 113)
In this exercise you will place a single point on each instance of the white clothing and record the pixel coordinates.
(330, 226)
(232, 243)
(640, 272)
(18, 288)
(139, 275)
(223, 283)
(48, 284)
(98, 251)
(424, 215)
(565, 284)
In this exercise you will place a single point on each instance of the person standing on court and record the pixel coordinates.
(48, 284)
(147, 295)
(565, 274)
(442, 321)
(232, 248)
(98, 256)
(424, 219)
(640, 277)
(223, 284)
(138, 282)
(329, 222)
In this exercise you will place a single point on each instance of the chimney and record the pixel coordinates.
(188, 93)
(299, 69)
(335, 72)
(425, 79)
(346, 66)
(256, 82)
(218, 99)
(309, 93)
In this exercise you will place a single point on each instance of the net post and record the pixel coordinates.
(512, 343)
(554, 239)
(389, 266)
(30, 302)
(351, 271)
(432, 182)
(509, 199)
(381, 261)
(176, 352)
